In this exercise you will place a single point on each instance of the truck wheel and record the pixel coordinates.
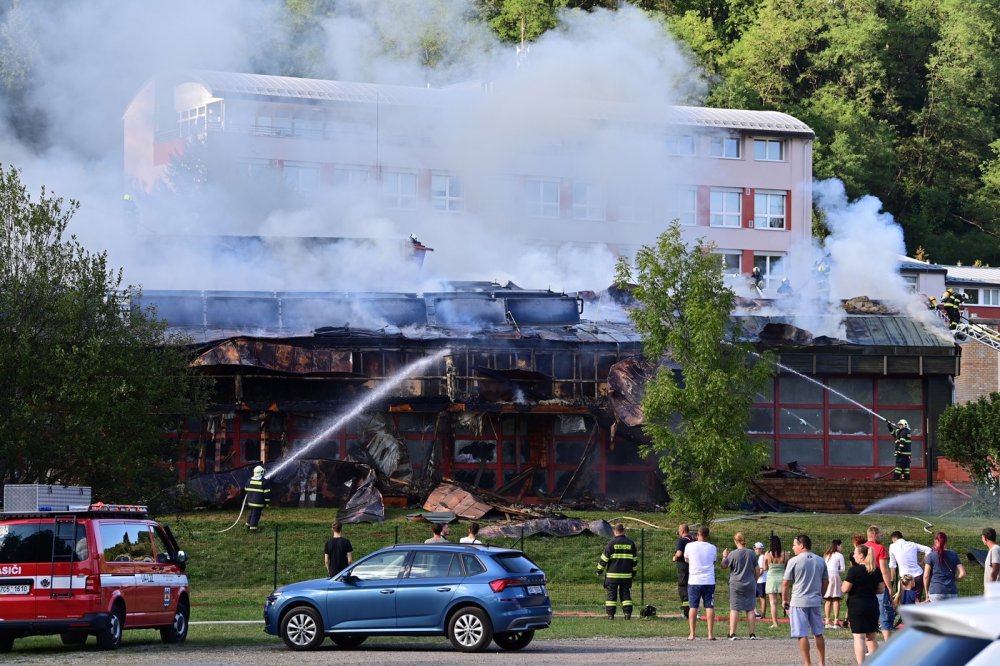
(470, 629)
(301, 628)
(110, 637)
(178, 631)
(514, 640)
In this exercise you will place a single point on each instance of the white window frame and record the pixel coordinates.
(911, 282)
(399, 189)
(447, 193)
(768, 220)
(729, 267)
(351, 176)
(769, 146)
(724, 217)
(682, 145)
(588, 202)
(682, 205)
(989, 296)
(543, 197)
(301, 176)
(725, 147)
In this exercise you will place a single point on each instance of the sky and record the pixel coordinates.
(86, 61)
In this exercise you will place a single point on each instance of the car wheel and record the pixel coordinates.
(73, 637)
(470, 629)
(514, 640)
(178, 631)
(110, 637)
(6, 643)
(348, 640)
(301, 628)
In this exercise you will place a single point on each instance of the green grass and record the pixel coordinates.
(231, 573)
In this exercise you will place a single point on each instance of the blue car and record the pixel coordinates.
(470, 593)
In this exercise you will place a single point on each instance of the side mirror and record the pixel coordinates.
(181, 557)
(349, 579)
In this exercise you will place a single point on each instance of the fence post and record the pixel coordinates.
(522, 540)
(275, 557)
(395, 538)
(642, 568)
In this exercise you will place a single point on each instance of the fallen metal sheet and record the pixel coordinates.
(626, 383)
(559, 527)
(464, 504)
(365, 505)
(443, 517)
(384, 452)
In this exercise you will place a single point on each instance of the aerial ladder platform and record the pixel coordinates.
(988, 336)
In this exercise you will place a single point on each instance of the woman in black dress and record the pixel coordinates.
(863, 584)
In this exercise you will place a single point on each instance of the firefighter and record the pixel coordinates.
(258, 496)
(785, 288)
(756, 279)
(620, 559)
(901, 431)
(951, 302)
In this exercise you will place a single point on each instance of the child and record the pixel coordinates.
(907, 594)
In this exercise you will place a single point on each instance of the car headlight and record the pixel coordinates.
(273, 597)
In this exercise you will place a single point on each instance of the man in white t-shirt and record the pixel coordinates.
(473, 536)
(903, 557)
(700, 556)
(992, 562)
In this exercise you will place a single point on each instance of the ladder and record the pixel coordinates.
(982, 334)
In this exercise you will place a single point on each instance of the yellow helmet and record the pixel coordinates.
(949, 290)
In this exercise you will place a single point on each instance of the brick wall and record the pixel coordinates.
(979, 370)
(839, 495)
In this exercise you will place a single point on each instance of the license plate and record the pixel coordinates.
(15, 589)
(536, 589)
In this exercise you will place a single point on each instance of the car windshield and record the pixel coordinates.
(516, 563)
(912, 646)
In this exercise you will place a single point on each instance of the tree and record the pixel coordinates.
(969, 435)
(697, 419)
(91, 385)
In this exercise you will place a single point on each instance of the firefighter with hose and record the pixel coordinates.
(258, 496)
(901, 431)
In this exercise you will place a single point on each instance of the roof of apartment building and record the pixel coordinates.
(973, 274)
(222, 83)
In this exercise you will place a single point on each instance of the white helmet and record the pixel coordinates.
(903, 424)
(258, 472)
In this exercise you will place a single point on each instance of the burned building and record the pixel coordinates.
(526, 398)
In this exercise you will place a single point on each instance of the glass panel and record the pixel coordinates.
(792, 388)
(802, 451)
(766, 394)
(760, 150)
(900, 392)
(800, 421)
(430, 565)
(859, 390)
(472, 565)
(486, 480)
(569, 453)
(117, 545)
(850, 422)
(853, 453)
(380, 567)
(761, 420)
(475, 451)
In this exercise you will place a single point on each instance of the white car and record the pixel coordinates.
(959, 631)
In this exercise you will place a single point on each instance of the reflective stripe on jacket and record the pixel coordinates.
(620, 557)
(257, 494)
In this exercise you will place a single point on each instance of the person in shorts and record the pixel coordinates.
(700, 556)
(758, 550)
(802, 588)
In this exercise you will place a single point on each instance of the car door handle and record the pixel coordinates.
(444, 589)
(386, 591)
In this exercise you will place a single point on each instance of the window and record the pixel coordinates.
(731, 262)
(727, 147)
(434, 565)
(911, 283)
(683, 144)
(259, 167)
(769, 150)
(352, 177)
(472, 565)
(770, 266)
(726, 208)
(32, 542)
(301, 176)
(588, 202)
(541, 197)
(385, 566)
(399, 190)
(447, 193)
(990, 297)
(769, 210)
(682, 205)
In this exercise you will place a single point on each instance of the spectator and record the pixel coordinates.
(992, 562)
(775, 560)
(835, 567)
(742, 564)
(907, 593)
(758, 549)
(700, 556)
(942, 568)
(439, 534)
(863, 586)
(903, 557)
(683, 539)
(472, 537)
(886, 613)
(802, 597)
(337, 553)
(857, 540)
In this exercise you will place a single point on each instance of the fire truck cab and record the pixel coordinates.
(91, 572)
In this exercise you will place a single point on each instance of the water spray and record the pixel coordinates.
(390, 383)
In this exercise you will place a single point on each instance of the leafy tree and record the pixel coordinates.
(969, 435)
(519, 21)
(91, 385)
(697, 420)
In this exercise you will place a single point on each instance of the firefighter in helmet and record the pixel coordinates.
(756, 279)
(901, 431)
(952, 302)
(617, 565)
(258, 496)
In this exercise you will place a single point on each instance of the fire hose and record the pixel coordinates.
(237, 517)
